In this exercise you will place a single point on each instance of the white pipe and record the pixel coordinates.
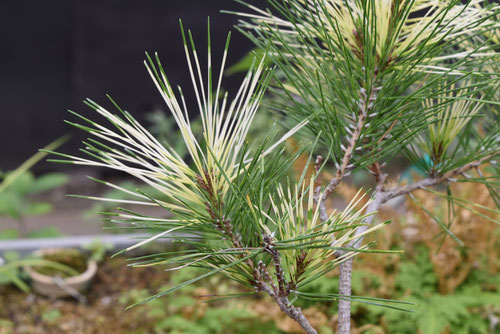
(118, 241)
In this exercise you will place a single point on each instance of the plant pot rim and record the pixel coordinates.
(83, 277)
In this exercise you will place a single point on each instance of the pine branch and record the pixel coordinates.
(432, 181)
(293, 312)
(365, 108)
(280, 275)
(279, 293)
(343, 170)
(380, 198)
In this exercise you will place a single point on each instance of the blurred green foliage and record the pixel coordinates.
(20, 191)
(17, 201)
(183, 312)
(98, 250)
(471, 308)
(245, 63)
(11, 275)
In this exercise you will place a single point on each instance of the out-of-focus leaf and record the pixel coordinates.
(9, 179)
(46, 232)
(9, 233)
(10, 256)
(51, 316)
(10, 205)
(48, 182)
(39, 208)
(22, 184)
(245, 63)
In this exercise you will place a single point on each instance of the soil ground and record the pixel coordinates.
(23, 313)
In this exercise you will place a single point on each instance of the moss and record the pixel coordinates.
(72, 258)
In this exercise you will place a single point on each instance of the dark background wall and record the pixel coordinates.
(53, 54)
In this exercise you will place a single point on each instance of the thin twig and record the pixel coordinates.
(280, 275)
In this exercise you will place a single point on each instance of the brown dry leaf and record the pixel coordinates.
(452, 263)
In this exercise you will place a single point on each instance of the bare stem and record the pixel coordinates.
(344, 168)
(344, 308)
(345, 277)
(344, 315)
(280, 275)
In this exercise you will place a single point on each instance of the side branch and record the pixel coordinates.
(365, 108)
(344, 165)
(432, 181)
(261, 280)
(382, 196)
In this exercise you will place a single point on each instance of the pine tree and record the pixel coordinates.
(377, 79)
(366, 81)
